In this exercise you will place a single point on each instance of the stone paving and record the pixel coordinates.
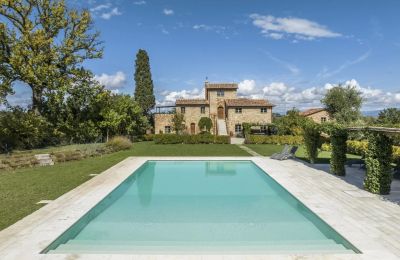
(368, 221)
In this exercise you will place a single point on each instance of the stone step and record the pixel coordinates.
(44, 159)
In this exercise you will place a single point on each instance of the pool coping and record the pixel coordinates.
(29, 236)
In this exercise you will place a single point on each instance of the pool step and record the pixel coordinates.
(89, 246)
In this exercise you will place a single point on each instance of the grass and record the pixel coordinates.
(21, 189)
(269, 149)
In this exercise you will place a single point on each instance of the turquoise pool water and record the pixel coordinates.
(175, 207)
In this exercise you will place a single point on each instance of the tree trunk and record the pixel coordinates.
(36, 100)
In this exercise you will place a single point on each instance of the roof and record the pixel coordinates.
(191, 102)
(311, 111)
(221, 85)
(247, 102)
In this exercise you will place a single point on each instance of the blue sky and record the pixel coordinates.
(289, 52)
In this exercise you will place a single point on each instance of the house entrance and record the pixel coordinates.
(220, 113)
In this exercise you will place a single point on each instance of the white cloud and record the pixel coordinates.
(100, 7)
(289, 66)
(224, 31)
(300, 29)
(169, 97)
(247, 86)
(104, 11)
(168, 11)
(115, 81)
(139, 2)
(113, 12)
(327, 73)
(285, 96)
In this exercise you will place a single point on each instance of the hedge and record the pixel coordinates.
(377, 159)
(275, 139)
(312, 140)
(190, 139)
(339, 148)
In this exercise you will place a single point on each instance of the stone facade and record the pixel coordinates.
(161, 121)
(221, 102)
(248, 115)
(192, 116)
(318, 115)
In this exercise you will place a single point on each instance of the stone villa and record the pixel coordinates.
(221, 104)
(318, 115)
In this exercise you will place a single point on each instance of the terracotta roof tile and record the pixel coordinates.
(191, 102)
(221, 85)
(311, 111)
(247, 102)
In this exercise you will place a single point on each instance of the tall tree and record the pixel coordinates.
(389, 116)
(43, 44)
(144, 94)
(343, 103)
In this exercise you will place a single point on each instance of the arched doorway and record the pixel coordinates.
(221, 113)
(192, 128)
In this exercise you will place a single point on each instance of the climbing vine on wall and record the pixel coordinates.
(378, 159)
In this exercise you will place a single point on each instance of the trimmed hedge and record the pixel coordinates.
(275, 139)
(378, 158)
(312, 140)
(190, 139)
(339, 148)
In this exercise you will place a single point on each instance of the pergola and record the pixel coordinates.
(378, 157)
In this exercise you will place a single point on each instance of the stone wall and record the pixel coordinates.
(317, 117)
(248, 115)
(162, 120)
(193, 115)
(216, 101)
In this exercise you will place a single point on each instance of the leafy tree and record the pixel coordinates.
(122, 115)
(343, 103)
(178, 121)
(144, 84)
(205, 122)
(43, 44)
(291, 124)
(389, 116)
(20, 129)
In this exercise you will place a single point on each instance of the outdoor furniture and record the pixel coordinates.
(360, 162)
(287, 153)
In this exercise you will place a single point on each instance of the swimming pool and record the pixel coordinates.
(200, 207)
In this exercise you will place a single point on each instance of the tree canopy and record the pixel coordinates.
(343, 103)
(43, 44)
(389, 116)
(144, 84)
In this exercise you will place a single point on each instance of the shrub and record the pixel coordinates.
(118, 143)
(378, 159)
(339, 148)
(205, 122)
(326, 147)
(274, 139)
(312, 140)
(148, 137)
(204, 138)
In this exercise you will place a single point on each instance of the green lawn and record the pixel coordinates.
(21, 189)
(268, 149)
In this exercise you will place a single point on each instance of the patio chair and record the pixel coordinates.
(360, 162)
(286, 155)
(284, 151)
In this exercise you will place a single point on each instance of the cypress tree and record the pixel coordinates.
(144, 84)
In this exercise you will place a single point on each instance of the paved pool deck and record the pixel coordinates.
(370, 222)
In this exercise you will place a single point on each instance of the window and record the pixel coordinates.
(238, 128)
(264, 110)
(203, 110)
(220, 93)
(263, 128)
(167, 129)
(183, 110)
(238, 110)
(323, 119)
